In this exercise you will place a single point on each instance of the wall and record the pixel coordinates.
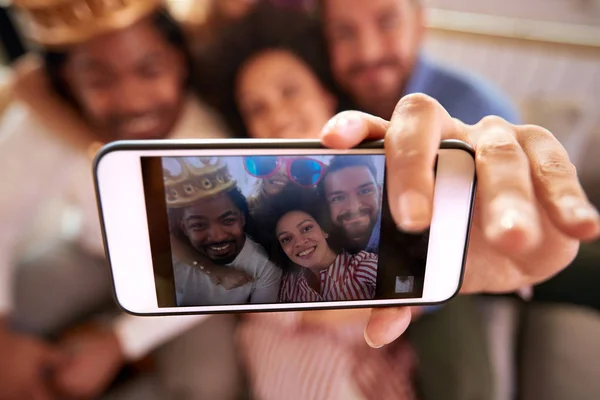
(556, 84)
(584, 12)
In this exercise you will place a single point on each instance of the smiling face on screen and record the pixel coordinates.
(303, 240)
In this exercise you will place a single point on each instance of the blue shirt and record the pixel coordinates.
(464, 95)
(373, 245)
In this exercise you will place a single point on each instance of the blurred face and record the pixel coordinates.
(215, 227)
(354, 202)
(373, 46)
(303, 241)
(276, 182)
(280, 97)
(130, 83)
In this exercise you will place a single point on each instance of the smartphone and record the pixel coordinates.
(230, 226)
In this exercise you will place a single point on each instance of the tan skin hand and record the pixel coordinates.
(94, 360)
(229, 278)
(25, 365)
(530, 214)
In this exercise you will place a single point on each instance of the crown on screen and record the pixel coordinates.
(189, 179)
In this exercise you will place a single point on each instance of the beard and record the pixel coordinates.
(352, 245)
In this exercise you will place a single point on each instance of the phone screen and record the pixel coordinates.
(269, 229)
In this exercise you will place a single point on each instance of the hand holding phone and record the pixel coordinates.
(531, 210)
(235, 226)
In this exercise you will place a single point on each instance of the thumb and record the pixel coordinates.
(386, 325)
(350, 128)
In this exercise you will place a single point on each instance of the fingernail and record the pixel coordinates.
(509, 214)
(415, 210)
(370, 343)
(575, 210)
(344, 125)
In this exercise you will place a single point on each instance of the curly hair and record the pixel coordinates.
(266, 27)
(273, 208)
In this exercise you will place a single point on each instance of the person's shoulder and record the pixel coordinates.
(19, 125)
(469, 96)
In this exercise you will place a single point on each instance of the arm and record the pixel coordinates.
(138, 336)
(27, 176)
(366, 268)
(229, 278)
(267, 284)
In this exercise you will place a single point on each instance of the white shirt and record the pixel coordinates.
(44, 179)
(195, 288)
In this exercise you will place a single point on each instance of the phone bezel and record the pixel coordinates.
(159, 146)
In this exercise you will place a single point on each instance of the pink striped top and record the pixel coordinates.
(286, 359)
(350, 277)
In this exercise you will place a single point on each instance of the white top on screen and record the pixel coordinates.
(195, 288)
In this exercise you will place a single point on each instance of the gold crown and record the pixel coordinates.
(190, 179)
(59, 23)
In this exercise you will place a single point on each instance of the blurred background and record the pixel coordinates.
(545, 55)
(533, 50)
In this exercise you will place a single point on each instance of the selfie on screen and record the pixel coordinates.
(268, 229)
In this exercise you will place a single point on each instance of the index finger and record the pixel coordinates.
(418, 125)
(350, 128)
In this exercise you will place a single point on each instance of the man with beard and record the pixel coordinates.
(109, 70)
(354, 197)
(212, 214)
(376, 58)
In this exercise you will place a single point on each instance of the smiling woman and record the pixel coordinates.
(315, 266)
(269, 75)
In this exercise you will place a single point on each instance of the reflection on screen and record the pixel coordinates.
(269, 229)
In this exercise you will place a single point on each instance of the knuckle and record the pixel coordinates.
(541, 133)
(537, 134)
(554, 168)
(501, 147)
(416, 103)
(493, 121)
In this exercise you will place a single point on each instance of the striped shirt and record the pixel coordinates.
(288, 360)
(350, 277)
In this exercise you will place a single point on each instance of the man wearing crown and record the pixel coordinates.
(209, 213)
(109, 70)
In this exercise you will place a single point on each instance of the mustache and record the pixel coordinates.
(359, 67)
(347, 215)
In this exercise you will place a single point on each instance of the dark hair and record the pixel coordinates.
(338, 163)
(273, 208)
(54, 61)
(266, 27)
